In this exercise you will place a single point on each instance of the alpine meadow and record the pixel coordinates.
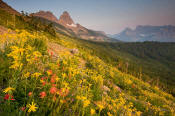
(53, 66)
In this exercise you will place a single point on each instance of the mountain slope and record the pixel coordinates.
(8, 8)
(52, 76)
(148, 33)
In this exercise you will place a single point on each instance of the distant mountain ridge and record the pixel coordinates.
(72, 28)
(142, 33)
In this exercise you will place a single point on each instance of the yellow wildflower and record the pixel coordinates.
(63, 75)
(37, 54)
(92, 111)
(27, 75)
(138, 113)
(57, 79)
(78, 97)
(86, 103)
(83, 98)
(8, 89)
(109, 114)
(36, 74)
(32, 107)
(100, 106)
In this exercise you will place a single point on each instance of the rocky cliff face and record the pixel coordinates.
(65, 19)
(7, 8)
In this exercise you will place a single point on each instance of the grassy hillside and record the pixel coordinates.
(151, 61)
(39, 79)
(50, 75)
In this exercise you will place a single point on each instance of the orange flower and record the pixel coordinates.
(42, 94)
(52, 80)
(30, 93)
(49, 72)
(133, 86)
(53, 90)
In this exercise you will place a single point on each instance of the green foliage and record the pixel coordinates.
(25, 22)
(153, 62)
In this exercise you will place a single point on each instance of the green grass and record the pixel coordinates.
(151, 61)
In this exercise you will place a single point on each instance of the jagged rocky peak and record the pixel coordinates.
(66, 20)
(46, 14)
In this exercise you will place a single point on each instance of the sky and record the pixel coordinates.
(110, 16)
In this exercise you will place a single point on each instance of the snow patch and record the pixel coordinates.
(142, 35)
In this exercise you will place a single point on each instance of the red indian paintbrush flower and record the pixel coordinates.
(44, 83)
(7, 97)
(53, 90)
(52, 80)
(30, 93)
(42, 94)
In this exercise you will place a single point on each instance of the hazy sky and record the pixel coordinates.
(110, 16)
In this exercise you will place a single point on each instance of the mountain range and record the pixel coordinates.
(67, 26)
(147, 33)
